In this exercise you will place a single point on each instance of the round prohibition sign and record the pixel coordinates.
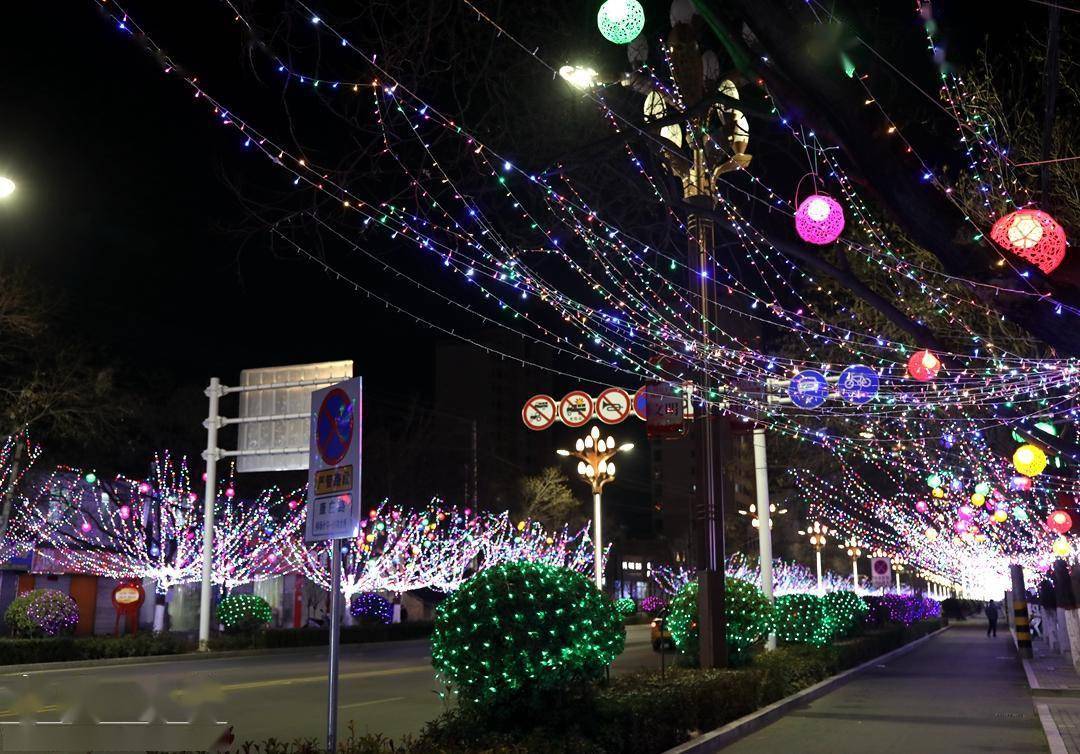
(539, 412)
(576, 408)
(334, 426)
(639, 402)
(613, 405)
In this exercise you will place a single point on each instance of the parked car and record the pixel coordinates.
(659, 633)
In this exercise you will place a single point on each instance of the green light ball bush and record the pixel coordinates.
(524, 633)
(244, 613)
(748, 617)
(626, 606)
(844, 613)
(801, 619)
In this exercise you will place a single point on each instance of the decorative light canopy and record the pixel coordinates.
(620, 21)
(1032, 235)
(923, 366)
(1029, 460)
(819, 219)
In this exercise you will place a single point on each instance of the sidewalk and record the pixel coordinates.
(1055, 687)
(958, 692)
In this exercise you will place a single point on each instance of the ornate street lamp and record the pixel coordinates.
(817, 532)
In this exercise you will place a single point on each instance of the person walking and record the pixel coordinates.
(991, 618)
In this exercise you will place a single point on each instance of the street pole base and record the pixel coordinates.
(204, 645)
(712, 645)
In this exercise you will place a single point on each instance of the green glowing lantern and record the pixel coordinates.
(982, 488)
(621, 21)
(934, 480)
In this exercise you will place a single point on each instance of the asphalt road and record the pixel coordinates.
(386, 688)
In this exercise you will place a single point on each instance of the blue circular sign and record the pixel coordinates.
(334, 427)
(808, 389)
(858, 384)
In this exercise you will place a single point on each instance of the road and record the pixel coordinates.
(387, 688)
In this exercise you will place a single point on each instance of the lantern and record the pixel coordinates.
(934, 480)
(923, 366)
(1062, 547)
(931, 534)
(977, 500)
(921, 506)
(620, 21)
(1033, 236)
(1000, 516)
(1021, 483)
(819, 219)
(1029, 460)
(938, 492)
(1059, 522)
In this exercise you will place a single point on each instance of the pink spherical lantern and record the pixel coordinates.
(144, 488)
(85, 527)
(1032, 235)
(125, 512)
(1059, 522)
(921, 506)
(819, 219)
(230, 493)
(293, 504)
(923, 366)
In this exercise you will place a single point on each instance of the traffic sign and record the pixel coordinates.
(613, 405)
(858, 384)
(539, 412)
(808, 389)
(576, 408)
(664, 411)
(640, 400)
(881, 571)
(333, 510)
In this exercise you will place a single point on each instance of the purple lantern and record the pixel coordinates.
(819, 219)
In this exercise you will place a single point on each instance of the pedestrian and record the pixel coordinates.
(991, 618)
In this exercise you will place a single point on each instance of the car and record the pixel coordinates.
(660, 634)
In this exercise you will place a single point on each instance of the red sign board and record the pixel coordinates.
(539, 412)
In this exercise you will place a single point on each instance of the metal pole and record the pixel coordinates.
(598, 543)
(820, 589)
(897, 582)
(761, 485)
(335, 643)
(855, 571)
(212, 423)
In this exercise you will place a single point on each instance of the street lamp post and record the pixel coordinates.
(595, 467)
(854, 551)
(817, 533)
(898, 566)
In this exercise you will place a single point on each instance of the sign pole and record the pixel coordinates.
(761, 484)
(598, 542)
(213, 421)
(335, 645)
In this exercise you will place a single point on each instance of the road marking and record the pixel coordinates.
(11, 712)
(322, 678)
(373, 701)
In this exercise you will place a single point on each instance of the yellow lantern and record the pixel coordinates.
(1000, 516)
(977, 500)
(1029, 460)
(938, 492)
(1062, 547)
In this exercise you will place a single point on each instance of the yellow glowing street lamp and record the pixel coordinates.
(817, 533)
(7, 187)
(854, 551)
(594, 454)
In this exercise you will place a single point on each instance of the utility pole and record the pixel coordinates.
(764, 509)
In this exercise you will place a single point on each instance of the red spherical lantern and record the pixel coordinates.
(819, 219)
(923, 366)
(1059, 522)
(1032, 235)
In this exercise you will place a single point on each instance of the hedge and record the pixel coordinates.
(636, 714)
(277, 638)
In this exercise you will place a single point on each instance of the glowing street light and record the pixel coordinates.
(580, 77)
(817, 533)
(595, 467)
(7, 187)
(854, 551)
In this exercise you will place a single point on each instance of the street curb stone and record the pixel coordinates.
(1050, 730)
(717, 739)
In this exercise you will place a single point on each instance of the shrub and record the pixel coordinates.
(244, 613)
(369, 607)
(800, 619)
(626, 606)
(901, 608)
(67, 648)
(844, 612)
(42, 612)
(521, 629)
(654, 603)
(748, 617)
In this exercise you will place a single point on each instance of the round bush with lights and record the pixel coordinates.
(244, 613)
(522, 628)
(42, 612)
(369, 607)
(626, 606)
(748, 616)
(844, 612)
(801, 619)
(654, 603)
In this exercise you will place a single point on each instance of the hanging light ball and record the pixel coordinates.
(977, 499)
(938, 492)
(934, 480)
(1059, 522)
(125, 512)
(1032, 235)
(931, 535)
(85, 527)
(1062, 547)
(1000, 516)
(923, 366)
(144, 488)
(1029, 460)
(90, 477)
(620, 21)
(819, 219)
(921, 506)
(1021, 483)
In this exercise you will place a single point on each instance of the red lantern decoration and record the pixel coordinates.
(923, 366)
(1059, 522)
(1032, 235)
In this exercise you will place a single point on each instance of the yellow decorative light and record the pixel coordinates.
(977, 499)
(1062, 547)
(1029, 460)
(938, 492)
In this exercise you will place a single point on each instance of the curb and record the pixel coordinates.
(39, 667)
(717, 739)
(1050, 730)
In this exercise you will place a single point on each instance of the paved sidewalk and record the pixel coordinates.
(959, 692)
(1052, 671)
